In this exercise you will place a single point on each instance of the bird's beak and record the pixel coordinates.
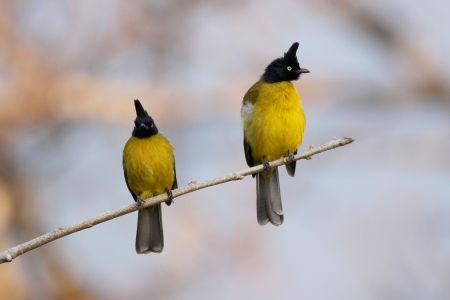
(143, 126)
(302, 70)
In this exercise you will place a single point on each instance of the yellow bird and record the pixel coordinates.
(274, 122)
(149, 168)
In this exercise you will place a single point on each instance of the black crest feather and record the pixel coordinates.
(140, 111)
(292, 52)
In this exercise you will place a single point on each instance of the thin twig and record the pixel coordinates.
(9, 254)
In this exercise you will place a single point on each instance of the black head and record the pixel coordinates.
(284, 68)
(143, 125)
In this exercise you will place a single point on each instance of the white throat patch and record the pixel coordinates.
(246, 111)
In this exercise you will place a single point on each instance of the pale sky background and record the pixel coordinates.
(366, 221)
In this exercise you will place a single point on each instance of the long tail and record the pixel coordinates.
(268, 198)
(149, 235)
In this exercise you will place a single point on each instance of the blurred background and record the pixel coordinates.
(367, 221)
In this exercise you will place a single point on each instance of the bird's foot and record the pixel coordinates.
(291, 157)
(139, 201)
(266, 165)
(170, 196)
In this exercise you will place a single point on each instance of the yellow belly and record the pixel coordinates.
(276, 123)
(149, 165)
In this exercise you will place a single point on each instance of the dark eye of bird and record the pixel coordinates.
(289, 68)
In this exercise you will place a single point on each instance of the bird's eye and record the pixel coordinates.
(289, 68)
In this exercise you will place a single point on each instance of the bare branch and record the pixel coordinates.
(9, 254)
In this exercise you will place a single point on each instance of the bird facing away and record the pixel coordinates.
(274, 122)
(149, 168)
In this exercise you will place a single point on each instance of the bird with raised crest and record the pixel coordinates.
(149, 168)
(274, 123)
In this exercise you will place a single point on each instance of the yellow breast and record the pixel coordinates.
(149, 165)
(273, 119)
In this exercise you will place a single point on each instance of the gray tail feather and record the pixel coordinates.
(268, 199)
(149, 235)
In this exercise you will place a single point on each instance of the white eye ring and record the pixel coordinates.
(289, 68)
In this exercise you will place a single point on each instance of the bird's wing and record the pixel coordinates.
(248, 154)
(246, 113)
(252, 94)
(175, 183)
(126, 180)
